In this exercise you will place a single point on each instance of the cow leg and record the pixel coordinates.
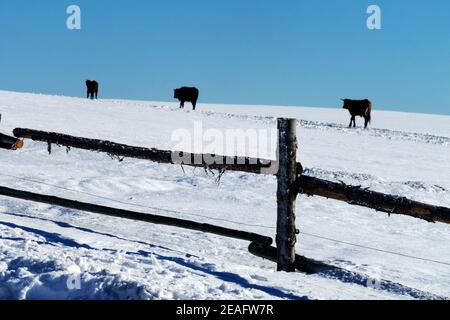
(194, 104)
(182, 105)
(366, 122)
(352, 121)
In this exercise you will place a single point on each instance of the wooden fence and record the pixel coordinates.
(291, 182)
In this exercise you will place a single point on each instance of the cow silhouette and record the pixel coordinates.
(361, 108)
(92, 89)
(187, 94)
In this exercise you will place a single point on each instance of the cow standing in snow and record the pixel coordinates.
(186, 94)
(361, 108)
(92, 89)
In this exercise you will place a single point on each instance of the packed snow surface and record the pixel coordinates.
(48, 252)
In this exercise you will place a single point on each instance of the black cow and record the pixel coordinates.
(92, 89)
(187, 94)
(361, 108)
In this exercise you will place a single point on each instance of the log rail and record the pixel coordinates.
(358, 196)
(243, 164)
(133, 215)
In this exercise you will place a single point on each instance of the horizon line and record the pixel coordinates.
(230, 103)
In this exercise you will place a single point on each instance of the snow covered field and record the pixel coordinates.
(49, 252)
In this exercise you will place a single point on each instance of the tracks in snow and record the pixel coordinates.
(324, 126)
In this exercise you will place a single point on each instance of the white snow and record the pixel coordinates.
(48, 252)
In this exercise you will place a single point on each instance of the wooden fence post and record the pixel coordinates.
(286, 194)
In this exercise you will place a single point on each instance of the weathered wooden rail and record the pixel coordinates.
(9, 143)
(358, 196)
(133, 215)
(243, 164)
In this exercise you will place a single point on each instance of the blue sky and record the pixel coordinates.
(291, 52)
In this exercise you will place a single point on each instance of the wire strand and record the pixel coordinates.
(229, 221)
(134, 204)
(375, 249)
